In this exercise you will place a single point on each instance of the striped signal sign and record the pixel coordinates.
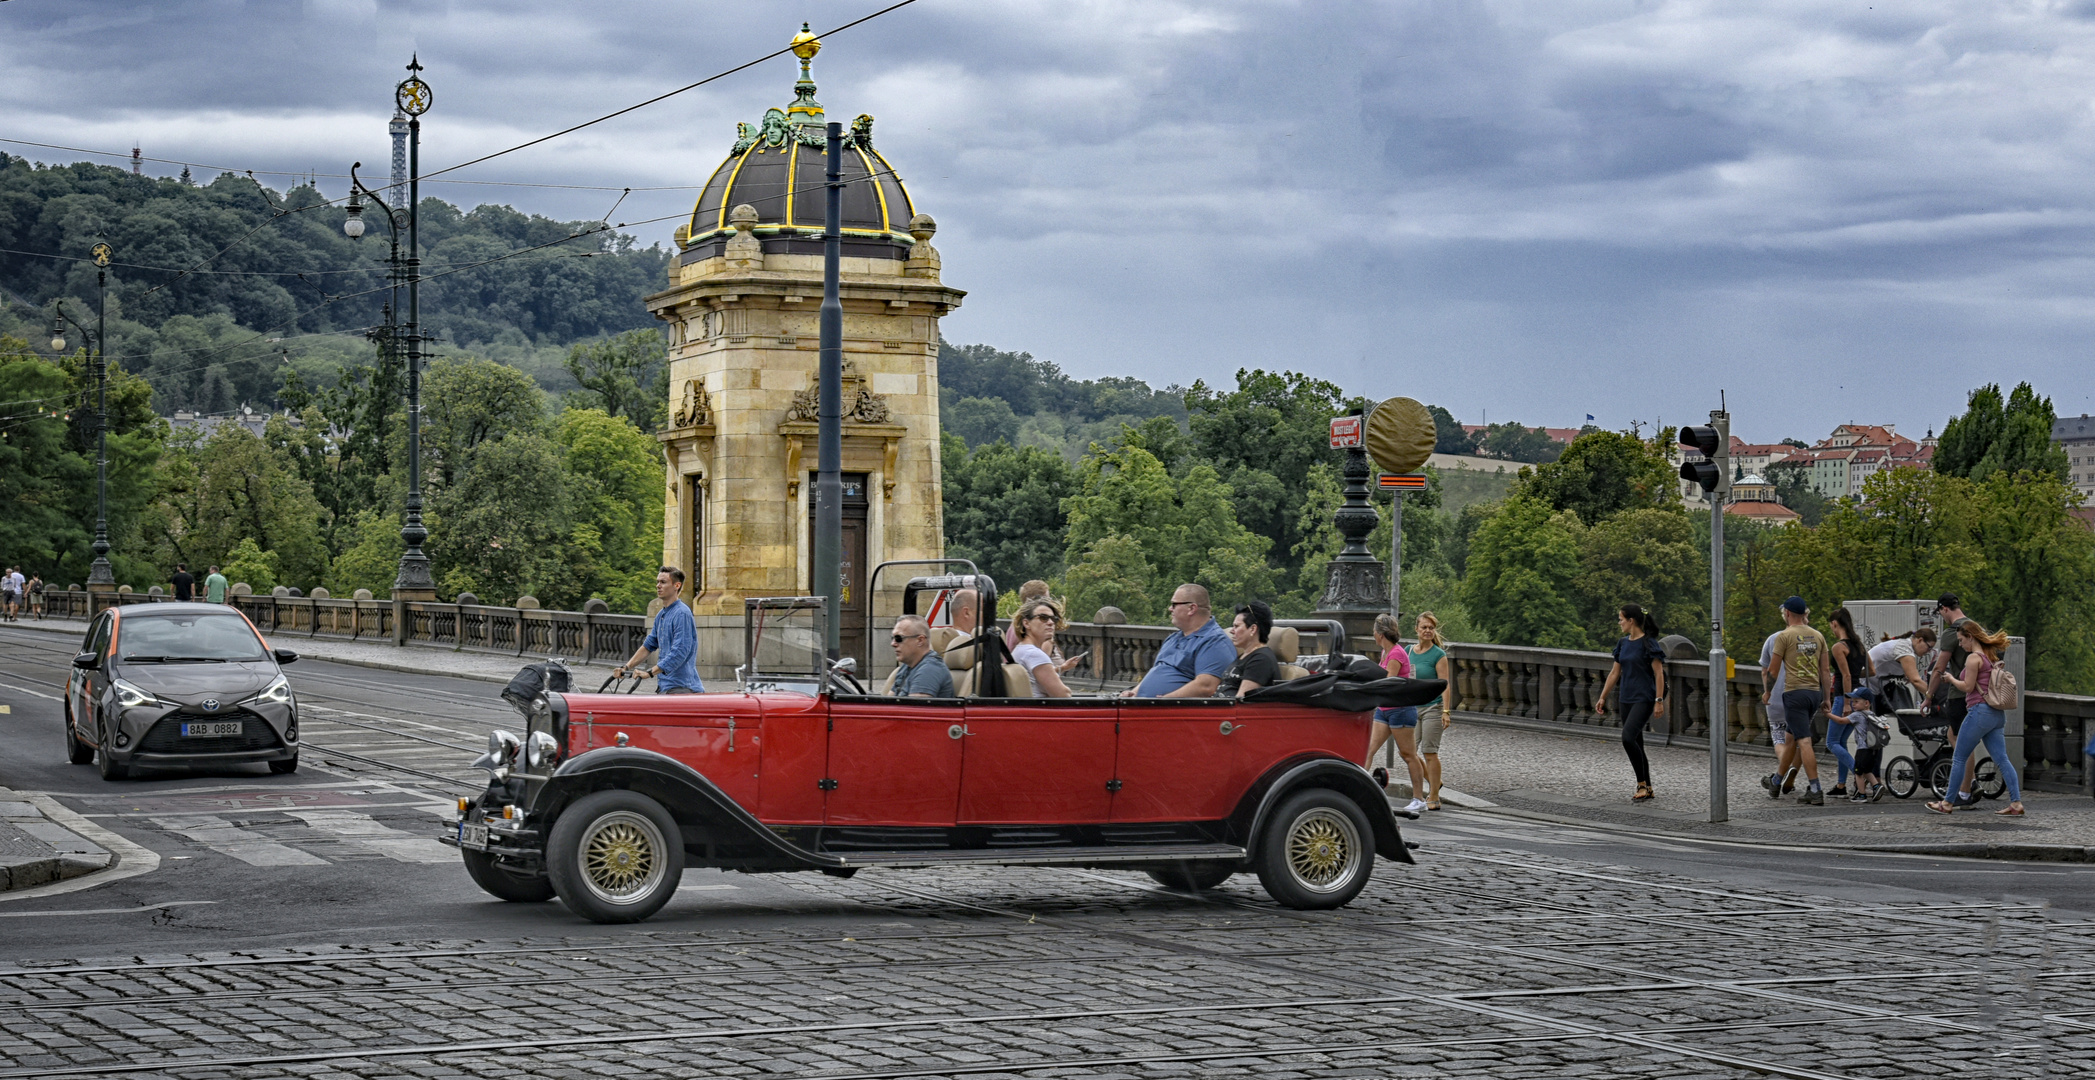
(1403, 482)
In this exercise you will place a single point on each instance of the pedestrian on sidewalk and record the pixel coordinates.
(1640, 666)
(674, 640)
(1899, 657)
(215, 587)
(1429, 659)
(1942, 696)
(1399, 724)
(36, 596)
(184, 583)
(1984, 720)
(1771, 688)
(1800, 656)
(10, 593)
(1851, 700)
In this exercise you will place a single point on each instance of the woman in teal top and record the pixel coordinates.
(1429, 660)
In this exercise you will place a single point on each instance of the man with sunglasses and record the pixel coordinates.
(1193, 662)
(919, 671)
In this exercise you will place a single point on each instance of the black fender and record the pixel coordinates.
(717, 830)
(1319, 770)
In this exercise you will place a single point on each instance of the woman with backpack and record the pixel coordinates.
(1989, 689)
(1640, 666)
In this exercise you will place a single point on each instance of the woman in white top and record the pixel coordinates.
(1036, 623)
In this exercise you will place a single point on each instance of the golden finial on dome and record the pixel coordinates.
(805, 45)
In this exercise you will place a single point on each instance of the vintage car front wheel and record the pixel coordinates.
(1315, 850)
(615, 857)
(503, 883)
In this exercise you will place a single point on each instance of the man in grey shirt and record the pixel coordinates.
(920, 672)
(1778, 722)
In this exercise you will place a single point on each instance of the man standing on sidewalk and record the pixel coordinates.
(1778, 720)
(215, 587)
(1947, 701)
(1800, 658)
(184, 583)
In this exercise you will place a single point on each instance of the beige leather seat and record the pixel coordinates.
(960, 661)
(1016, 684)
(1286, 643)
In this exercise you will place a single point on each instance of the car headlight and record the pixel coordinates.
(277, 693)
(131, 697)
(542, 750)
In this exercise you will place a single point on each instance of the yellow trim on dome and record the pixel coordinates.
(693, 227)
(873, 177)
(907, 202)
(792, 193)
(727, 192)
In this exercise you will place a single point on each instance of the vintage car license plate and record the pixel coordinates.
(211, 729)
(471, 835)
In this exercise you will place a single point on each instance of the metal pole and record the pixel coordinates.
(827, 577)
(100, 573)
(414, 581)
(1719, 680)
(1396, 554)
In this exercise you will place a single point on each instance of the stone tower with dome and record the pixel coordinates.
(742, 308)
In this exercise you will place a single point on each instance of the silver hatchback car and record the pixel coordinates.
(179, 685)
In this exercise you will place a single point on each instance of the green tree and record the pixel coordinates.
(370, 555)
(614, 477)
(1646, 557)
(468, 401)
(230, 486)
(980, 421)
(1265, 436)
(1603, 474)
(2001, 437)
(620, 373)
(508, 526)
(248, 563)
(1515, 442)
(1003, 508)
(1792, 480)
(1113, 572)
(2037, 578)
(1521, 588)
(1448, 435)
(1185, 526)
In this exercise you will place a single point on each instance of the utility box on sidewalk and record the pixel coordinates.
(1877, 620)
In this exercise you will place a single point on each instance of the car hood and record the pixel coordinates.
(185, 684)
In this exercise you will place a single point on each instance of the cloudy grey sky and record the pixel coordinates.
(1541, 208)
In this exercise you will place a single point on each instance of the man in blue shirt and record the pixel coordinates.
(674, 640)
(1192, 662)
(920, 672)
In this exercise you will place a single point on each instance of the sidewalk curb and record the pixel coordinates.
(63, 870)
(2061, 853)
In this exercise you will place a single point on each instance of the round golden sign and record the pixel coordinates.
(1400, 435)
(413, 96)
(102, 254)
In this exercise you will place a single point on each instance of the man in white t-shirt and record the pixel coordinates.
(1778, 719)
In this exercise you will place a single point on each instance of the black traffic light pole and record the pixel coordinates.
(1713, 472)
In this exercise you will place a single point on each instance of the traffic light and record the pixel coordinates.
(1713, 442)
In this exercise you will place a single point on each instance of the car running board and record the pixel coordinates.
(1043, 856)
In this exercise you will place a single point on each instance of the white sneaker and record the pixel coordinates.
(1415, 807)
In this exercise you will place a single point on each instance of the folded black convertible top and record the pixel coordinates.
(1335, 690)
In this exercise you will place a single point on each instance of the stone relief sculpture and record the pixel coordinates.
(696, 410)
(861, 404)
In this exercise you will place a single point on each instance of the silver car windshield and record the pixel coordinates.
(176, 638)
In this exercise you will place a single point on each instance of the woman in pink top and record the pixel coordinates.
(1402, 724)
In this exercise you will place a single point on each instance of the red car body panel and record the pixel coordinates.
(790, 759)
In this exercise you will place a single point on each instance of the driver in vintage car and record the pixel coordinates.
(919, 671)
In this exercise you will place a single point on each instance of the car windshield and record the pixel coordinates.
(175, 638)
(785, 637)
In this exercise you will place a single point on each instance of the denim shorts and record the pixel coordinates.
(1396, 718)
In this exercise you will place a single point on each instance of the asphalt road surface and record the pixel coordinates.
(309, 925)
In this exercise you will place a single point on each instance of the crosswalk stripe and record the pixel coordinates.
(366, 832)
(227, 838)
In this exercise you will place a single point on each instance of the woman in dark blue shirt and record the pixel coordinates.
(1640, 666)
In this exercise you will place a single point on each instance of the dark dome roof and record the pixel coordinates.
(780, 167)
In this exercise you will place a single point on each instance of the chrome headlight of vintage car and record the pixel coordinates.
(130, 696)
(276, 693)
(502, 751)
(542, 750)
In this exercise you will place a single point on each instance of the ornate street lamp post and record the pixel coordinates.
(100, 578)
(413, 97)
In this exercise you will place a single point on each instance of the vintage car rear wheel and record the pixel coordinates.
(615, 857)
(503, 883)
(1192, 876)
(1315, 850)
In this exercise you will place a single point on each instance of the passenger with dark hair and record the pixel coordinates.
(674, 640)
(1256, 665)
(1640, 666)
(1851, 699)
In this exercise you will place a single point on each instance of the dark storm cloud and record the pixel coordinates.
(1542, 208)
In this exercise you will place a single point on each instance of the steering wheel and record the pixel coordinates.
(856, 687)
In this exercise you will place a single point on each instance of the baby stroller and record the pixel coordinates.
(1928, 751)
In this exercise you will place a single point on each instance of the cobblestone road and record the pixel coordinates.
(1478, 962)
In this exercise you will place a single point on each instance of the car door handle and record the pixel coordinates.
(1228, 727)
(957, 730)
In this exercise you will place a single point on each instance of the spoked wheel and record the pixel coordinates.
(1192, 876)
(615, 857)
(503, 883)
(1939, 776)
(1315, 851)
(1901, 777)
(1986, 781)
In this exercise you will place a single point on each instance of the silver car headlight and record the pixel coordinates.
(276, 693)
(502, 752)
(130, 696)
(542, 750)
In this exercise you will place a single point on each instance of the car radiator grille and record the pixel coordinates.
(166, 735)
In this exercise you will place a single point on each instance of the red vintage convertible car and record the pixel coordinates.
(607, 798)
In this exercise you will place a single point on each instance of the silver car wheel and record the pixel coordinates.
(1323, 850)
(622, 857)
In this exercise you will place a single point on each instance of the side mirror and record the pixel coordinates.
(846, 666)
(87, 661)
(285, 656)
